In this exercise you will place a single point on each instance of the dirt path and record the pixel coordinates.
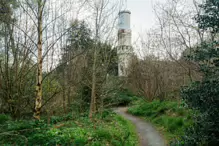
(148, 135)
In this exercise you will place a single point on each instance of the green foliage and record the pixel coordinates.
(79, 36)
(84, 94)
(57, 119)
(4, 118)
(121, 97)
(125, 97)
(6, 11)
(169, 116)
(209, 18)
(203, 96)
(111, 130)
(171, 123)
(102, 134)
(80, 41)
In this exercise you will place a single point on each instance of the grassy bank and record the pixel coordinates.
(108, 129)
(169, 117)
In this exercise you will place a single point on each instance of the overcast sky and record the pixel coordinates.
(142, 15)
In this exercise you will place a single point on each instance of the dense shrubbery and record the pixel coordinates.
(4, 118)
(169, 116)
(118, 96)
(203, 96)
(107, 129)
(124, 97)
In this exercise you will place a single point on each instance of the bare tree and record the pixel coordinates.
(162, 67)
(100, 15)
(178, 31)
(39, 87)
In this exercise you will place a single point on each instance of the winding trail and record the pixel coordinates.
(148, 135)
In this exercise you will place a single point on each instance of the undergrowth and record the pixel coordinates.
(170, 117)
(106, 129)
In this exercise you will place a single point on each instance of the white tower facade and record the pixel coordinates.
(124, 49)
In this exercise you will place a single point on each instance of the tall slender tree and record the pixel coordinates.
(38, 100)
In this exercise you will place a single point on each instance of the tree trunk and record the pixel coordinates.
(63, 92)
(38, 100)
(93, 92)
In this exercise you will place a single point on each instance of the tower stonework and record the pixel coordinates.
(124, 49)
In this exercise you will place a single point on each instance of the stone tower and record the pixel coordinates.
(124, 49)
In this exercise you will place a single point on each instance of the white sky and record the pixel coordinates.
(142, 15)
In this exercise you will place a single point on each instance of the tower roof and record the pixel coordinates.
(125, 11)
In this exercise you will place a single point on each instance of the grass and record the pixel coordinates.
(111, 130)
(169, 117)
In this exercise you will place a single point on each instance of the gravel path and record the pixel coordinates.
(148, 135)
